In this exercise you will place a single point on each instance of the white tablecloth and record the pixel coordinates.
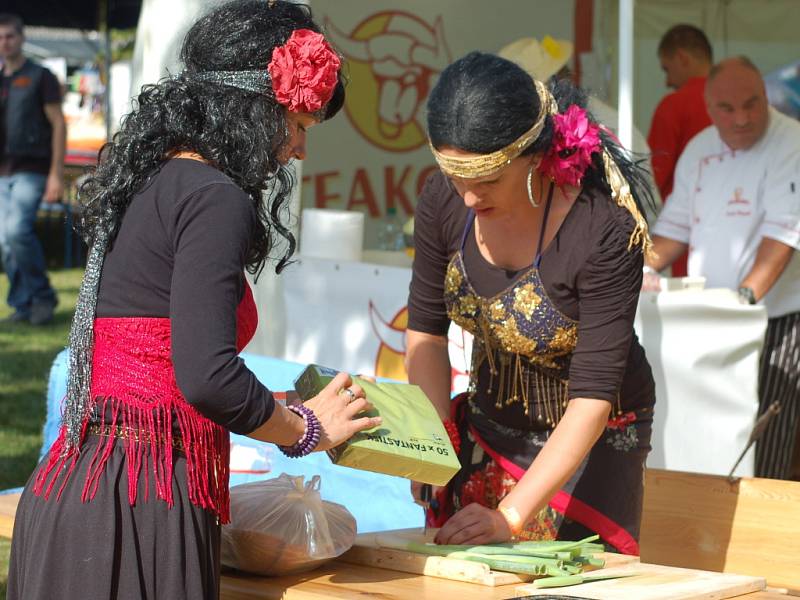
(703, 347)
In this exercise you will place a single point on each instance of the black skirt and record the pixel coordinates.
(105, 548)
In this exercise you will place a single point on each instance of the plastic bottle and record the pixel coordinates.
(390, 234)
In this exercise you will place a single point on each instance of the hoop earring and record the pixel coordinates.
(533, 202)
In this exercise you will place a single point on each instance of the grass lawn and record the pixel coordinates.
(26, 353)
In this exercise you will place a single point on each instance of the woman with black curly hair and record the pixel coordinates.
(532, 239)
(190, 193)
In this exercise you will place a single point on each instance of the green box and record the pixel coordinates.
(411, 442)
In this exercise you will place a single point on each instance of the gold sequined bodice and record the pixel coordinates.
(527, 341)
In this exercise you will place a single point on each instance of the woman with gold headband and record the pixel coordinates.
(532, 239)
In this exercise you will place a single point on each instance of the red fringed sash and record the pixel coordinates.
(133, 386)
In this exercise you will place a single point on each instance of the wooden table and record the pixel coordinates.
(343, 580)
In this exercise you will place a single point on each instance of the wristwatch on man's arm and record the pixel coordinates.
(747, 295)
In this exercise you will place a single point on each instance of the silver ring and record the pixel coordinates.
(350, 393)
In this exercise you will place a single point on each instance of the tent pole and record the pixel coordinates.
(105, 21)
(625, 90)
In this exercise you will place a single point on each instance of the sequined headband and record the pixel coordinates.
(258, 82)
(487, 164)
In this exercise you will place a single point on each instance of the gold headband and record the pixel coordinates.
(487, 164)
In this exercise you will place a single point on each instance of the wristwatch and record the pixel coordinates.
(747, 294)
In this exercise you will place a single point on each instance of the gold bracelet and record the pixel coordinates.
(511, 515)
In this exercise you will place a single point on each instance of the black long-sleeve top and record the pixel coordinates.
(587, 271)
(180, 253)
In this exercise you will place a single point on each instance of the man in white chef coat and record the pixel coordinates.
(736, 207)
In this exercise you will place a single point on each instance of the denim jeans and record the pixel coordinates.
(20, 250)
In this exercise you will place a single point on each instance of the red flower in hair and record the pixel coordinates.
(304, 71)
(575, 139)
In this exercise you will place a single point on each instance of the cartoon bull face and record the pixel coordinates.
(394, 58)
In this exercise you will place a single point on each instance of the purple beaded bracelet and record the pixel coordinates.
(310, 438)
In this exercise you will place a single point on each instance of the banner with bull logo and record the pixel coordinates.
(375, 155)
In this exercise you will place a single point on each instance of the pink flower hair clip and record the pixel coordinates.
(575, 139)
(304, 71)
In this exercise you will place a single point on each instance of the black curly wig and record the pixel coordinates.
(239, 132)
(483, 102)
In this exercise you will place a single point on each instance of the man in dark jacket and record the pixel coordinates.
(32, 145)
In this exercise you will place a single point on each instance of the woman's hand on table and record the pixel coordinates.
(474, 524)
(337, 408)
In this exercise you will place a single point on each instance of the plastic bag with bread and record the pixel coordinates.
(281, 526)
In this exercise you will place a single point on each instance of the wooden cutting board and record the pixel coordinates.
(656, 582)
(368, 550)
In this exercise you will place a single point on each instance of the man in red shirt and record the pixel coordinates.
(685, 56)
